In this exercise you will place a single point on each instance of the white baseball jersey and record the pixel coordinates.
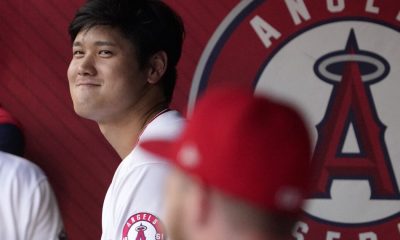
(28, 208)
(133, 203)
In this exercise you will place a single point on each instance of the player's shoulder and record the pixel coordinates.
(140, 161)
(167, 125)
(15, 167)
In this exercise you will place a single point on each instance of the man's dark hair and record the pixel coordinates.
(151, 25)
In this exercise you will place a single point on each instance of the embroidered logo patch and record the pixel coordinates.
(142, 226)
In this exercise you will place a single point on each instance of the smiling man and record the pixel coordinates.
(122, 75)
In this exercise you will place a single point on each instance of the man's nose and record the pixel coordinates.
(86, 66)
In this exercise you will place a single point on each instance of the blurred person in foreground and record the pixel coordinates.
(242, 169)
(28, 207)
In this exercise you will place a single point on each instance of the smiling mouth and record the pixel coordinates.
(88, 84)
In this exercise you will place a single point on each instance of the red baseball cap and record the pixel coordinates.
(6, 118)
(249, 147)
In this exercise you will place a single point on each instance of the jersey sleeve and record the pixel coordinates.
(133, 206)
(139, 200)
(45, 221)
(28, 208)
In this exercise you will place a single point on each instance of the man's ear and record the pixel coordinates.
(202, 203)
(157, 67)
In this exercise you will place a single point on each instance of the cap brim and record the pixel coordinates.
(163, 148)
(6, 118)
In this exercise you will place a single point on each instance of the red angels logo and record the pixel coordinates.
(338, 61)
(143, 226)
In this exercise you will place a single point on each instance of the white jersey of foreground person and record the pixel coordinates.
(28, 207)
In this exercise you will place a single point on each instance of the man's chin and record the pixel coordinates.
(86, 113)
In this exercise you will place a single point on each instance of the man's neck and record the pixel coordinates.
(123, 134)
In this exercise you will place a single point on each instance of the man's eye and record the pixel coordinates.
(78, 53)
(105, 53)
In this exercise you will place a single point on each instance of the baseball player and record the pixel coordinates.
(28, 208)
(122, 75)
(241, 169)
